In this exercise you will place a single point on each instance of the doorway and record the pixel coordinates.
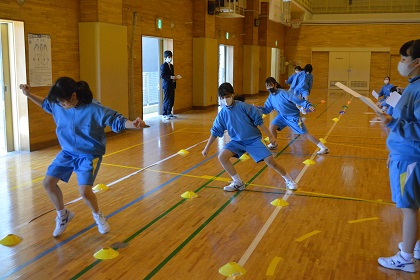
(14, 126)
(275, 63)
(225, 64)
(152, 58)
(351, 68)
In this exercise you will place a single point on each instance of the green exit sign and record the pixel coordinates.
(159, 23)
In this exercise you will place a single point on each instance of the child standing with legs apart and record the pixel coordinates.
(81, 123)
(241, 120)
(284, 102)
(403, 143)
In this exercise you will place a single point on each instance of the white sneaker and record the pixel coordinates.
(416, 249)
(302, 110)
(398, 262)
(165, 118)
(235, 186)
(103, 226)
(323, 151)
(172, 116)
(271, 146)
(61, 222)
(291, 185)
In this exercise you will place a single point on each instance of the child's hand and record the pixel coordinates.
(204, 152)
(385, 118)
(139, 123)
(273, 140)
(311, 108)
(25, 89)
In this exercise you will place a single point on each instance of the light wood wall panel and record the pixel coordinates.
(298, 43)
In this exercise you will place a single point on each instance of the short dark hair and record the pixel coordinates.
(411, 48)
(308, 68)
(271, 80)
(167, 54)
(225, 89)
(298, 68)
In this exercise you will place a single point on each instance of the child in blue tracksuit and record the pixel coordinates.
(289, 81)
(80, 131)
(403, 143)
(284, 102)
(384, 93)
(241, 121)
(309, 78)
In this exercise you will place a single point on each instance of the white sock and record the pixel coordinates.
(406, 256)
(62, 212)
(96, 214)
(287, 177)
(236, 178)
(321, 145)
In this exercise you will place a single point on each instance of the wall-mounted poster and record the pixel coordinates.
(40, 70)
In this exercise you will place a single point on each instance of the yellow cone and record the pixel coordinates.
(263, 116)
(309, 162)
(183, 152)
(189, 194)
(322, 140)
(266, 139)
(335, 119)
(100, 187)
(244, 157)
(106, 254)
(10, 240)
(279, 202)
(232, 269)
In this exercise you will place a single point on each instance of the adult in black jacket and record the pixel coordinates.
(168, 85)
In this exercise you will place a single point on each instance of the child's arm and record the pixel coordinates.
(273, 139)
(209, 142)
(35, 98)
(136, 124)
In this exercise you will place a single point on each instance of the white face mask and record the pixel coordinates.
(227, 101)
(386, 81)
(403, 68)
(168, 59)
(297, 71)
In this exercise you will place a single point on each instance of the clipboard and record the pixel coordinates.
(375, 94)
(365, 99)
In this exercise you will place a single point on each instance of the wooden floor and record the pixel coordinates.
(335, 226)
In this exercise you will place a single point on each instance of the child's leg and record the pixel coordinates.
(89, 197)
(54, 191)
(314, 140)
(271, 162)
(410, 229)
(224, 158)
(273, 129)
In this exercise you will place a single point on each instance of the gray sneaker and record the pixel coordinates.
(235, 186)
(416, 249)
(323, 151)
(61, 222)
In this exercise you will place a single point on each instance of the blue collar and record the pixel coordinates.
(414, 79)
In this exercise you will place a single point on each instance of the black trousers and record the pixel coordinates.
(168, 101)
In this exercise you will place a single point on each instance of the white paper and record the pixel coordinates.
(349, 90)
(375, 94)
(393, 99)
(365, 100)
(178, 76)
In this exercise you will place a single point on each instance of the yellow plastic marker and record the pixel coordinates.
(303, 237)
(322, 140)
(309, 162)
(244, 157)
(362, 220)
(232, 269)
(279, 202)
(216, 178)
(183, 152)
(335, 119)
(273, 265)
(264, 115)
(10, 240)
(106, 254)
(266, 139)
(189, 194)
(100, 187)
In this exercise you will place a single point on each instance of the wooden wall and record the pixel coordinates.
(299, 42)
(182, 20)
